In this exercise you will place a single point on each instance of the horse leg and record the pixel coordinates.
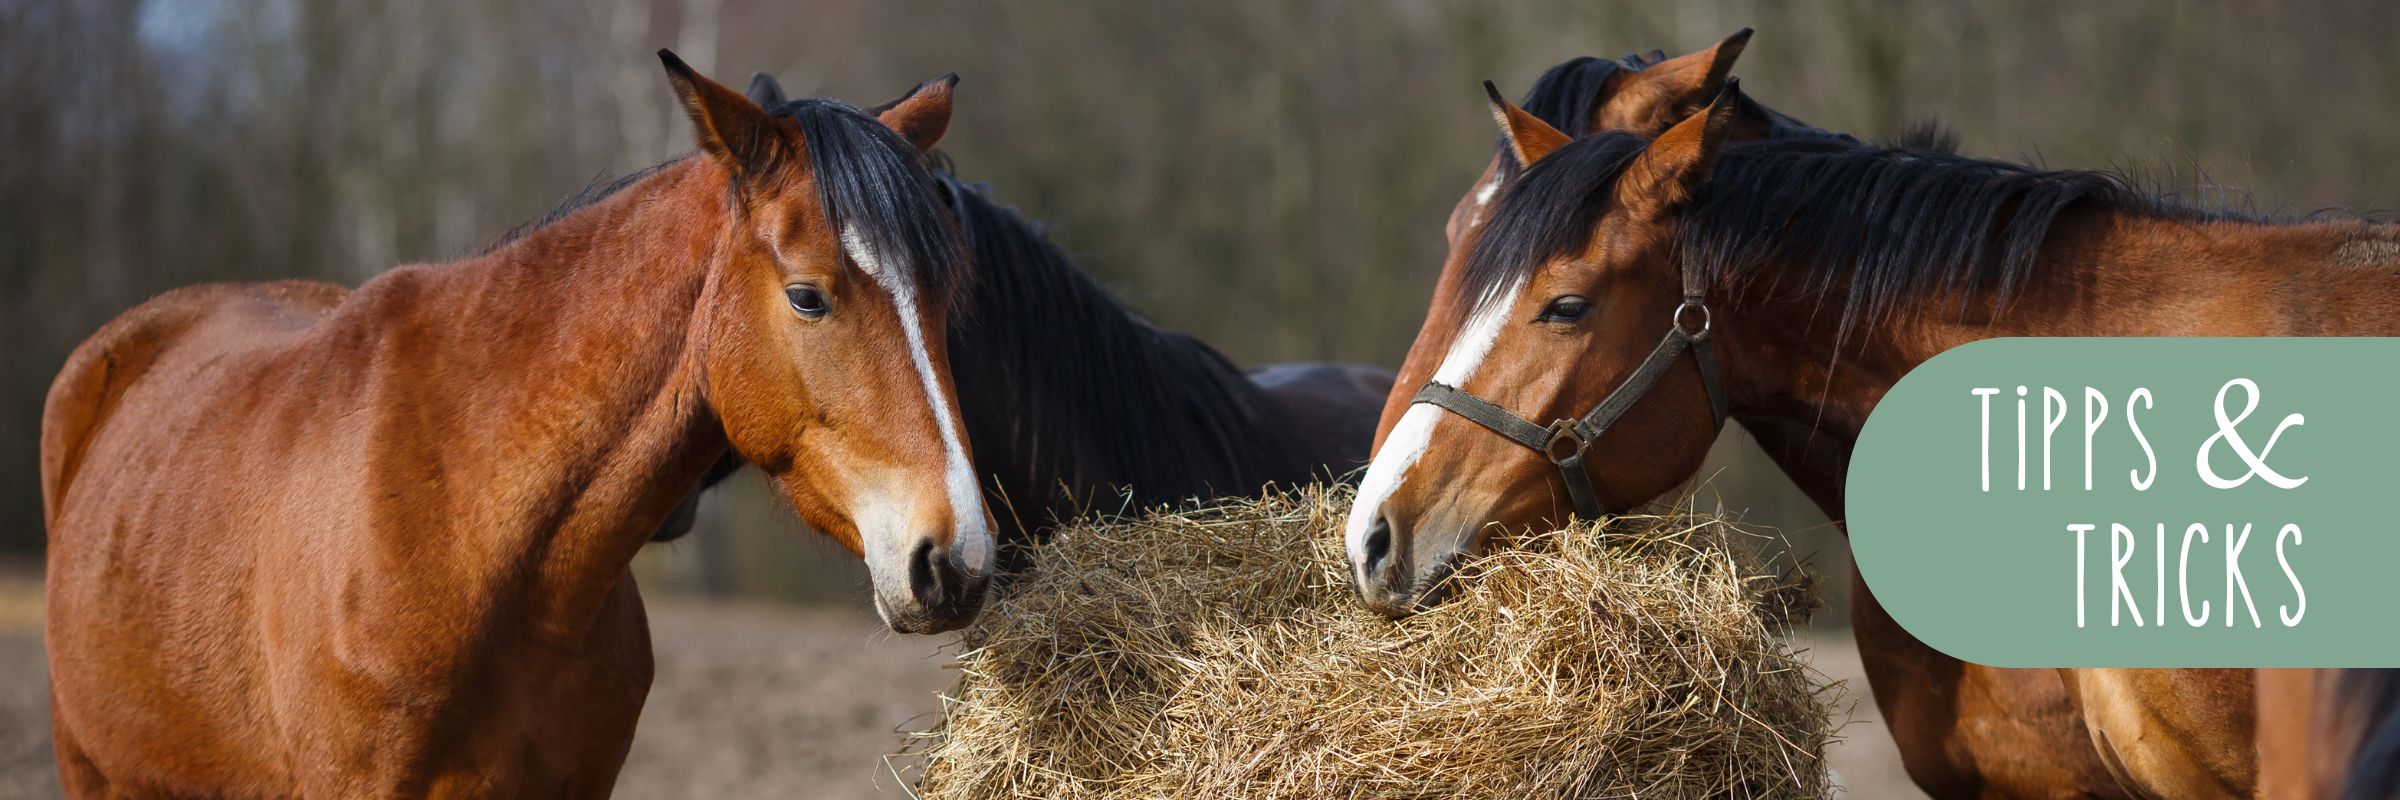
(1967, 730)
(2171, 732)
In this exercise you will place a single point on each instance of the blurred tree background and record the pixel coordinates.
(1269, 175)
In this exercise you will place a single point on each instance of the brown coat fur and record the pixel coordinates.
(313, 542)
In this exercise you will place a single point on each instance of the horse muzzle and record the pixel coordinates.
(1398, 582)
(937, 591)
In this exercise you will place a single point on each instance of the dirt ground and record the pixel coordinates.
(767, 701)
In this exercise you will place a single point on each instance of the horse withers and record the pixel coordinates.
(309, 541)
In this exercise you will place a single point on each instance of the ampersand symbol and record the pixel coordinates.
(2241, 449)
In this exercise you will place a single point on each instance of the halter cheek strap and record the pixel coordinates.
(1567, 441)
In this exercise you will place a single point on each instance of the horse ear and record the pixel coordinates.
(922, 115)
(726, 124)
(1672, 169)
(1528, 136)
(766, 91)
(1648, 100)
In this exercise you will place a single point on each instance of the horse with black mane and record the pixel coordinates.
(308, 541)
(1794, 281)
(1078, 405)
(1644, 95)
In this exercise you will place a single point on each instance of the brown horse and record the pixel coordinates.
(1077, 404)
(305, 541)
(2021, 710)
(1819, 272)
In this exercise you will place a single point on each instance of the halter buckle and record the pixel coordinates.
(1707, 319)
(1564, 443)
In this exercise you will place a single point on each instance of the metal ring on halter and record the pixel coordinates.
(1563, 432)
(1707, 319)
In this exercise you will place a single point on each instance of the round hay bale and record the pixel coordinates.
(1222, 653)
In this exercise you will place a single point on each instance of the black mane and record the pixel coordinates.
(1547, 212)
(867, 177)
(1074, 399)
(1885, 225)
(1568, 96)
(1892, 224)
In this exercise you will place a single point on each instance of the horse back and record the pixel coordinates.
(1333, 407)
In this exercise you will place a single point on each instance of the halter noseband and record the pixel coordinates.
(1566, 441)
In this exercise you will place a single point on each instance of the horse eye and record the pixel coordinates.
(1566, 309)
(807, 300)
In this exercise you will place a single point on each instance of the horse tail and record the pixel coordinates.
(2365, 727)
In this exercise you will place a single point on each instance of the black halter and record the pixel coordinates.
(1566, 441)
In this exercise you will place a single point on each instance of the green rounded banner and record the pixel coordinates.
(2174, 502)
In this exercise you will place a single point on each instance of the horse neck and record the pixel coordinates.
(576, 379)
(1071, 398)
(1805, 394)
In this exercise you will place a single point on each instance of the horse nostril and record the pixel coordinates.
(925, 574)
(1378, 545)
(942, 581)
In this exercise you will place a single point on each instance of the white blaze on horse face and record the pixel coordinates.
(1414, 432)
(971, 538)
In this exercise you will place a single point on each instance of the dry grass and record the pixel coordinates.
(1221, 653)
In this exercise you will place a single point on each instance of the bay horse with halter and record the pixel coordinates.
(1078, 405)
(1614, 275)
(309, 541)
(2019, 711)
